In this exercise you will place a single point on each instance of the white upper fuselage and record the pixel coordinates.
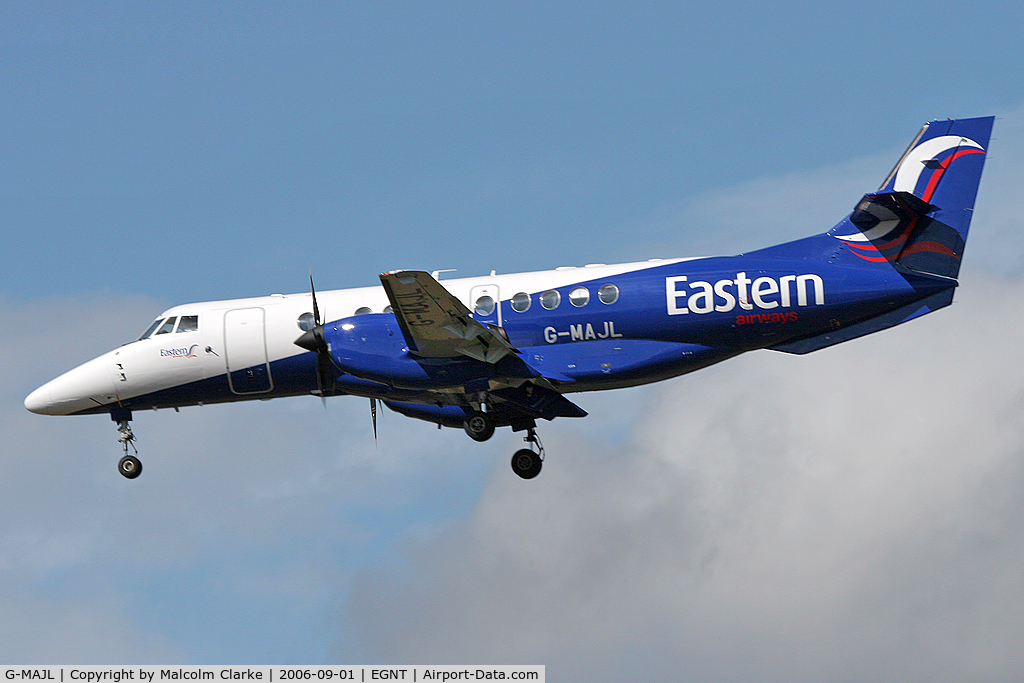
(227, 339)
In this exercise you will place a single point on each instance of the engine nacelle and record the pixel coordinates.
(449, 416)
(372, 347)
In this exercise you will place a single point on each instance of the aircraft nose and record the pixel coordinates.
(82, 388)
(39, 400)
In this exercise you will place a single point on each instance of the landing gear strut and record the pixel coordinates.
(129, 466)
(526, 462)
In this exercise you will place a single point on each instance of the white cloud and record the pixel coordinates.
(851, 514)
(848, 515)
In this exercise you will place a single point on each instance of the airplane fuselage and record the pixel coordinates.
(653, 320)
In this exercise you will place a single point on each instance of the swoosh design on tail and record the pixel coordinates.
(926, 156)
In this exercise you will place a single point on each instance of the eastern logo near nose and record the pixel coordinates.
(183, 352)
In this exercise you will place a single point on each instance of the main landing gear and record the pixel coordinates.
(478, 422)
(129, 466)
(479, 425)
(526, 462)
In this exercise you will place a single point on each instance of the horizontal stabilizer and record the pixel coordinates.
(899, 227)
(891, 319)
(874, 210)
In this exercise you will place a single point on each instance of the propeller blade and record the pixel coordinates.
(313, 340)
(312, 290)
(373, 418)
(320, 388)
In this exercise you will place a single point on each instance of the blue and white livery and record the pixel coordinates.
(506, 350)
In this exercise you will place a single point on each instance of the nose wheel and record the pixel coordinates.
(129, 466)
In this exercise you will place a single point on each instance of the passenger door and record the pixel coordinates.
(245, 351)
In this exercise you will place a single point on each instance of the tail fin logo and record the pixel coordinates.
(885, 251)
(919, 173)
(934, 156)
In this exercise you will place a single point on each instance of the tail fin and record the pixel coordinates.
(920, 216)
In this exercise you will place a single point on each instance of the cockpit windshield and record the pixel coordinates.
(187, 323)
(156, 323)
(168, 325)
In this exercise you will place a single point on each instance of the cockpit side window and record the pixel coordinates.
(188, 323)
(168, 325)
(156, 323)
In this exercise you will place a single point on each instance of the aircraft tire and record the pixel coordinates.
(129, 467)
(479, 426)
(526, 463)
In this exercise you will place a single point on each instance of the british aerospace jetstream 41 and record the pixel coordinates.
(505, 350)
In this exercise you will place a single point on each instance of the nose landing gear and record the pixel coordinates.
(129, 466)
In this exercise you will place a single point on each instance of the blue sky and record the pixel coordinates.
(193, 150)
(156, 154)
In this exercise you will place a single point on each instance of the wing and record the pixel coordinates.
(438, 325)
(435, 323)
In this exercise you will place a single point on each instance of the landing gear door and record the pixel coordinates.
(485, 303)
(245, 351)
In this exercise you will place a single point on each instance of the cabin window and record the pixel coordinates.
(306, 322)
(521, 302)
(363, 310)
(550, 299)
(188, 323)
(152, 328)
(484, 305)
(608, 294)
(579, 297)
(168, 325)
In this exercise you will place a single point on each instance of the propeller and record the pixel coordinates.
(313, 340)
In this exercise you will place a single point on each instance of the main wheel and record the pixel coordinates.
(479, 426)
(130, 467)
(526, 463)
